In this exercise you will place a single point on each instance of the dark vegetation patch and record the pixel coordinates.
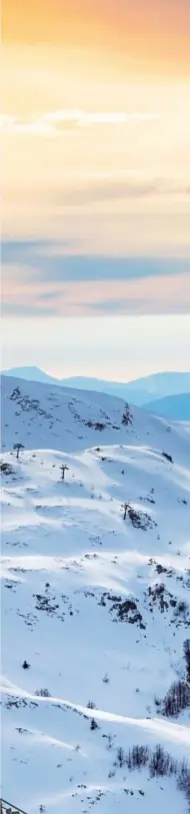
(6, 468)
(181, 613)
(95, 425)
(177, 699)
(11, 585)
(48, 604)
(168, 457)
(161, 569)
(148, 499)
(127, 417)
(17, 702)
(140, 520)
(160, 597)
(93, 725)
(125, 610)
(28, 404)
(30, 619)
(92, 423)
(43, 693)
(186, 651)
(159, 764)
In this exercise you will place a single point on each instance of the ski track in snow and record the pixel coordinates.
(69, 561)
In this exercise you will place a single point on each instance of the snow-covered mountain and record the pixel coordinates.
(175, 407)
(139, 392)
(96, 576)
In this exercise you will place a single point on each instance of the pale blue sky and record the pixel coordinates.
(112, 347)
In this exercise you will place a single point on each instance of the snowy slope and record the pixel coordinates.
(97, 605)
(138, 391)
(176, 407)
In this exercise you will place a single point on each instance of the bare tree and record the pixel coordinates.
(63, 468)
(18, 447)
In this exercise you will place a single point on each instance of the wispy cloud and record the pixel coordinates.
(144, 296)
(111, 190)
(85, 118)
(45, 284)
(54, 123)
(52, 263)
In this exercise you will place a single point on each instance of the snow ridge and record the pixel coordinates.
(95, 607)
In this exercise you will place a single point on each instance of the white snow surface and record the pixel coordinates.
(69, 560)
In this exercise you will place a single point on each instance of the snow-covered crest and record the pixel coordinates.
(96, 608)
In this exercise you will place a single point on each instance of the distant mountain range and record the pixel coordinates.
(177, 407)
(165, 393)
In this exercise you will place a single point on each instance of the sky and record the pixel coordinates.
(96, 186)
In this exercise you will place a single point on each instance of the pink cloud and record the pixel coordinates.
(147, 295)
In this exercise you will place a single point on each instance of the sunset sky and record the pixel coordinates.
(96, 185)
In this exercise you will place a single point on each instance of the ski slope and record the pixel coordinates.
(98, 606)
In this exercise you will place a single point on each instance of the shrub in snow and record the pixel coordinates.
(44, 693)
(127, 416)
(161, 763)
(182, 609)
(140, 520)
(111, 773)
(5, 468)
(120, 757)
(168, 457)
(186, 650)
(25, 665)
(93, 724)
(183, 779)
(137, 757)
(177, 699)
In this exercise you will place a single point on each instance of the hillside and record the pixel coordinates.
(31, 373)
(165, 383)
(95, 606)
(175, 407)
(139, 392)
